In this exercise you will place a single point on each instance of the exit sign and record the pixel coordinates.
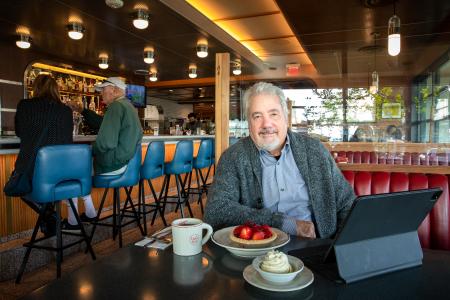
(292, 69)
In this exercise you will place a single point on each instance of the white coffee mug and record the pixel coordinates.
(187, 236)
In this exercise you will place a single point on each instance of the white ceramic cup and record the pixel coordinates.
(187, 236)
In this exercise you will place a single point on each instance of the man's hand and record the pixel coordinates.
(306, 229)
(75, 106)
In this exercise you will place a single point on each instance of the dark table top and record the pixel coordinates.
(148, 274)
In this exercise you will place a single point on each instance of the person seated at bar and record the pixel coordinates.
(120, 130)
(41, 121)
(193, 123)
(278, 177)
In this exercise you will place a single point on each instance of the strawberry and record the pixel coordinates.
(246, 233)
(267, 233)
(237, 230)
(258, 235)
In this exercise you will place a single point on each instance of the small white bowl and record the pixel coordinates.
(296, 264)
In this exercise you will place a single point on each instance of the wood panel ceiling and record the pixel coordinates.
(337, 34)
(258, 25)
(110, 30)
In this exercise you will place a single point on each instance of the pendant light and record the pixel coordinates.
(394, 38)
(373, 89)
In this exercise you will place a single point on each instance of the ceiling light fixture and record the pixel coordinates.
(202, 49)
(141, 19)
(373, 89)
(103, 61)
(75, 30)
(237, 67)
(24, 41)
(153, 76)
(394, 38)
(149, 55)
(192, 71)
(114, 3)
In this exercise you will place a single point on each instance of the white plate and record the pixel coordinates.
(222, 238)
(302, 280)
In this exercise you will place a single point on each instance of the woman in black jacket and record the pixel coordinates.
(44, 110)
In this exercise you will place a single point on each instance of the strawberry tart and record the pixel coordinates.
(252, 234)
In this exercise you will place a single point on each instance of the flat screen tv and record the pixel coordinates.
(136, 95)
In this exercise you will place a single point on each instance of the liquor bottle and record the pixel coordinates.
(85, 86)
(92, 104)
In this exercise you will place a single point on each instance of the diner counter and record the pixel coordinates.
(16, 216)
(9, 145)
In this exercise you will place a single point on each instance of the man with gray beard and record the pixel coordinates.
(278, 177)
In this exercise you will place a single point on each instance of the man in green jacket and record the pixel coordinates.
(120, 130)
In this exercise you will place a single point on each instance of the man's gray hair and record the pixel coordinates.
(264, 88)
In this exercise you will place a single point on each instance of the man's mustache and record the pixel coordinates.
(268, 131)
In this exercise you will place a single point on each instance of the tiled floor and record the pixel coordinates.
(35, 279)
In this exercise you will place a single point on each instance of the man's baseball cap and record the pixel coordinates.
(113, 81)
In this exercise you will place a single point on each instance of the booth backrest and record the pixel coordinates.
(434, 232)
(405, 158)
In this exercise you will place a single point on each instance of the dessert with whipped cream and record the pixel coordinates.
(276, 262)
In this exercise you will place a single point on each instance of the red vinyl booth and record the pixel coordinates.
(406, 158)
(434, 232)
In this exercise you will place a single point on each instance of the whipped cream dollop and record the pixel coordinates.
(275, 262)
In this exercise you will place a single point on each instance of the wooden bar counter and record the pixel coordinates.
(16, 216)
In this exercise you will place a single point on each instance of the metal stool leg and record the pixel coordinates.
(179, 201)
(33, 238)
(97, 218)
(186, 198)
(167, 181)
(59, 251)
(118, 226)
(141, 208)
(133, 209)
(157, 199)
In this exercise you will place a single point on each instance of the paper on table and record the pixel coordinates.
(157, 244)
(144, 242)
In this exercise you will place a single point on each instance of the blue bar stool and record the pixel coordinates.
(152, 168)
(213, 161)
(203, 160)
(180, 164)
(53, 182)
(126, 181)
